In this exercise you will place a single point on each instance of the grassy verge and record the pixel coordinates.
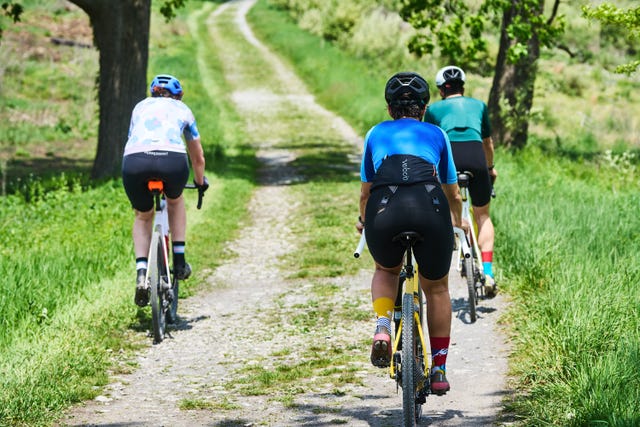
(67, 301)
(566, 250)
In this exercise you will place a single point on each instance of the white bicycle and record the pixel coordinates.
(163, 283)
(469, 256)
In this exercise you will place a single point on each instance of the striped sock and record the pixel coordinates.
(487, 265)
(141, 263)
(178, 253)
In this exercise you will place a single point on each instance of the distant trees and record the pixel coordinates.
(524, 29)
(627, 19)
(121, 34)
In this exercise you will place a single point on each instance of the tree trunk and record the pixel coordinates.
(121, 34)
(511, 95)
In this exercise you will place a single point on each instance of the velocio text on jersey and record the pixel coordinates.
(405, 170)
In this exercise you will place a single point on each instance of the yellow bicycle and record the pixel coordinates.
(410, 358)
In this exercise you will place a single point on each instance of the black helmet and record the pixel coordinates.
(448, 74)
(407, 87)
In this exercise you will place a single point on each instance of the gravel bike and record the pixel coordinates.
(469, 255)
(410, 358)
(163, 283)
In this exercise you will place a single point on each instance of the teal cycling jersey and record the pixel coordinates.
(408, 137)
(461, 117)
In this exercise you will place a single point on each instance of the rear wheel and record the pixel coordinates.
(471, 287)
(156, 263)
(172, 312)
(410, 369)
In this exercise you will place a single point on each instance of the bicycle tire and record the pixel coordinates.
(409, 407)
(471, 287)
(156, 262)
(172, 312)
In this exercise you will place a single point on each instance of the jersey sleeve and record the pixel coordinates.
(446, 166)
(486, 124)
(190, 130)
(367, 169)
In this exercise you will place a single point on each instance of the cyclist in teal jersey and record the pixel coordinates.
(409, 183)
(466, 122)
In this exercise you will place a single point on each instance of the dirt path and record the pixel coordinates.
(199, 361)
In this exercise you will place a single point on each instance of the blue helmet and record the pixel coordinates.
(165, 81)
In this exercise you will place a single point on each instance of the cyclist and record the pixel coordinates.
(466, 121)
(409, 183)
(155, 150)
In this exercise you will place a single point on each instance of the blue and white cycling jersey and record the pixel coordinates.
(159, 124)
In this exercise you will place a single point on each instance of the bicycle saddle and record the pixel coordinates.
(408, 238)
(464, 178)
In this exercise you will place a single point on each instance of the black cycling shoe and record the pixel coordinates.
(142, 289)
(182, 272)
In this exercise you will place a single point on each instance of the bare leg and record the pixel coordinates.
(142, 227)
(385, 282)
(438, 306)
(177, 218)
(486, 233)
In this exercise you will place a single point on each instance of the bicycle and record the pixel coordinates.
(410, 358)
(164, 285)
(469, 255)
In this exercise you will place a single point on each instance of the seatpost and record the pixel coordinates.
(156, 195)
(409, 266)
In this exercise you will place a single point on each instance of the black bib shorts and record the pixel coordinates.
(167, 166)
(469, 156)
(420, 207)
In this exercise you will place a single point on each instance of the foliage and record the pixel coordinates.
(452, 27)
(11, 10)
(627, 19)
(367, 29)
(168, 8)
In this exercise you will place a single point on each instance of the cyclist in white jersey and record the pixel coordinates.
(156, 150)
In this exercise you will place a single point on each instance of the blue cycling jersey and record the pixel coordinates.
(409, 137)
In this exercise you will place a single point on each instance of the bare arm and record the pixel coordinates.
(365, 191)
(487, 146)
(196, 154)
(452, 192)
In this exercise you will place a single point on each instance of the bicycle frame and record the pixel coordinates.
(412, 288)
(161, 220)
(410, 362)
(472, 239)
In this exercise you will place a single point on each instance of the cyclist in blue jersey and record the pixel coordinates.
(409, 183)
(466, 121)
(155, 149)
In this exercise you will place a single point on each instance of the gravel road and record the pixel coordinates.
(207, 347)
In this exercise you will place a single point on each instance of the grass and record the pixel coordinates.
(67, 295)
(566, 250)
(565, 216)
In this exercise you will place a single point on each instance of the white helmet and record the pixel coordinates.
(449, 73)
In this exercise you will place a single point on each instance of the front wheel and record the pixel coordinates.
(410, 369)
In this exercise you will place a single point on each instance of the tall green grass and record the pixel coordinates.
(566, 248)
(67, 262)
(568, 236)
